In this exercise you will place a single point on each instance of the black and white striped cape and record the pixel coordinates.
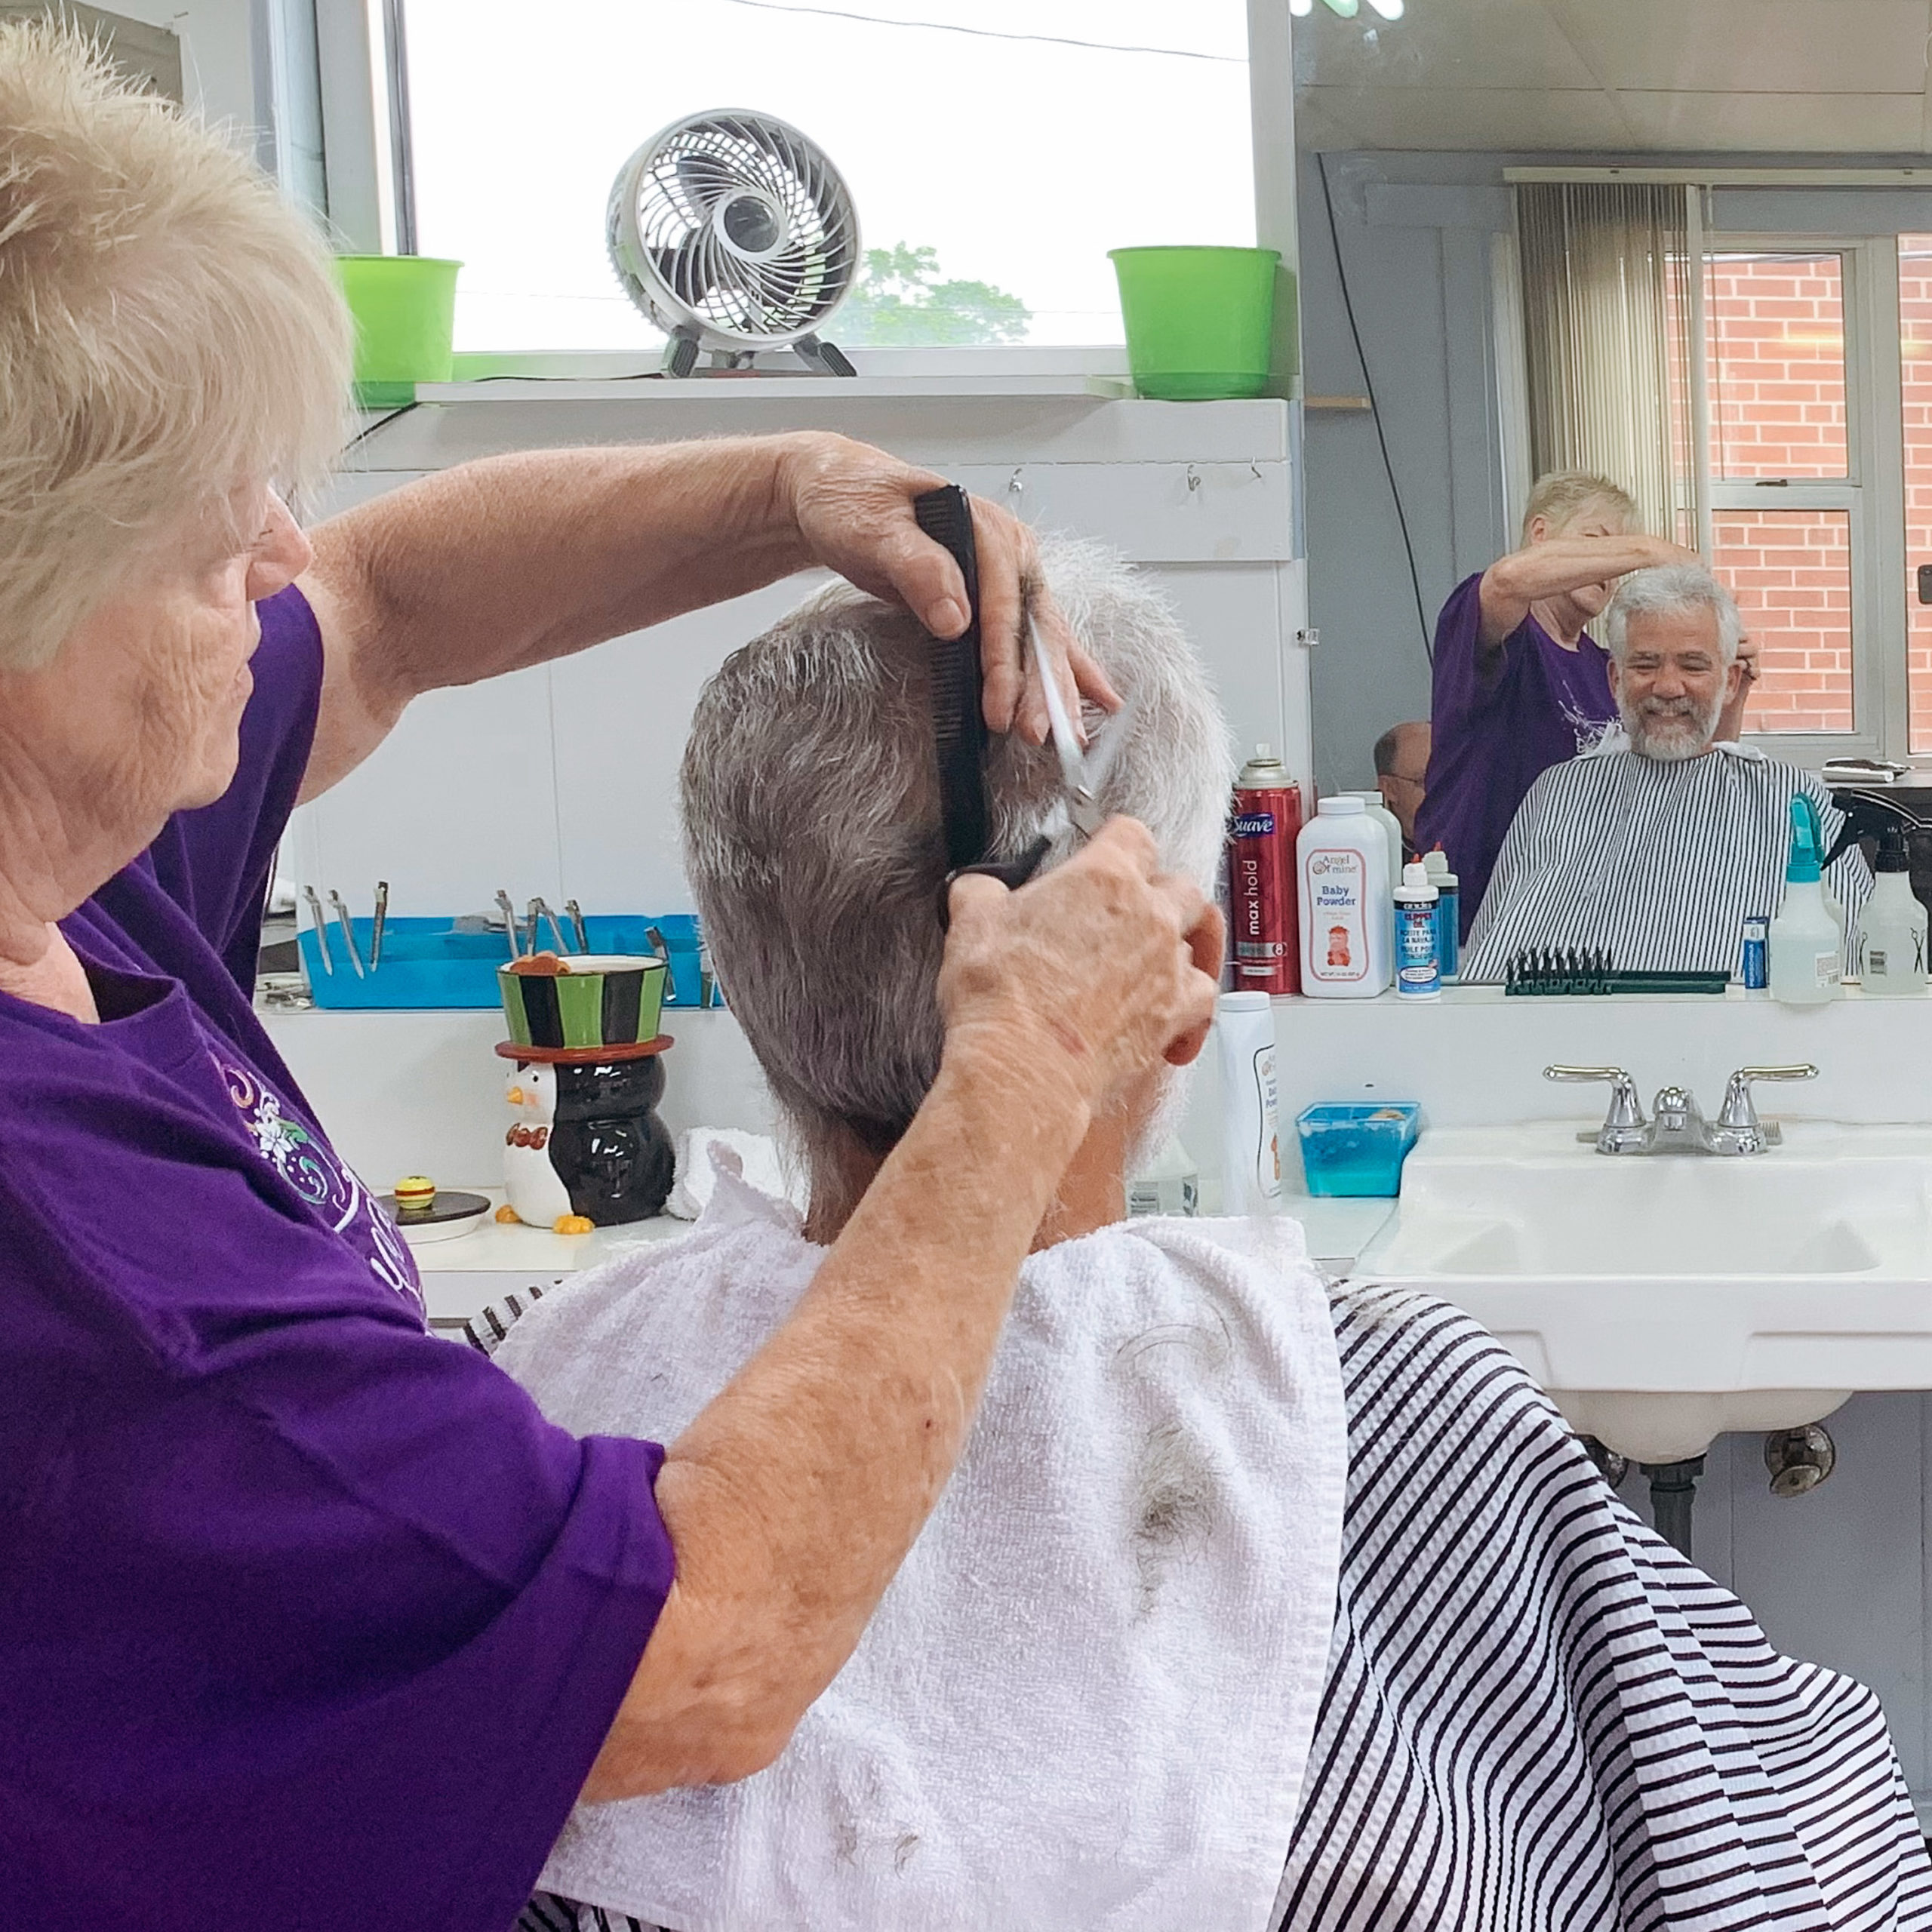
(1658, 863)
(1538, 1717)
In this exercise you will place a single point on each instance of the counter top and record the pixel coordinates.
(464, 1275)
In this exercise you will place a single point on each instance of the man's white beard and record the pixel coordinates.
(1163, 1120)
(1671, 731)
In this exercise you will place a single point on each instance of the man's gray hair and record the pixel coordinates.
(812, 841)
(1667, 590)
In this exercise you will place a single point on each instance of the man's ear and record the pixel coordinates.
(1733, 680)
(1616, 679)
(1535, 530)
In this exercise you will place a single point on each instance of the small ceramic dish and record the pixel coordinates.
(451, 1213)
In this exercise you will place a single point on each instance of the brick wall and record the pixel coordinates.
(1915, 342)
(1777, 377)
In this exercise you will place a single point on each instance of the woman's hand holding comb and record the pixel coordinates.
(853, 507)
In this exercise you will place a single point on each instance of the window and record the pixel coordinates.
(1787, 526)
(1015, 140)
(1916, 397)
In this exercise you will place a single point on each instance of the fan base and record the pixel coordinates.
(821, 359)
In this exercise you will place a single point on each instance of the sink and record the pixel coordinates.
(1663, 1300)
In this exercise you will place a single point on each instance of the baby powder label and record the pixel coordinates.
(1268, 1152)
(1338, 947)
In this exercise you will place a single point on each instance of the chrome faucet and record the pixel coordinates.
(1676, 1126)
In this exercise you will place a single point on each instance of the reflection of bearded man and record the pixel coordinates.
(1670, 727)
(1673, 635)
(1654, 855)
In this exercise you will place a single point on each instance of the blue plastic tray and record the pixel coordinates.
(1357, 1148)
(425, 963)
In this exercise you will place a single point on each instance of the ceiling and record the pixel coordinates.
(1725, 76)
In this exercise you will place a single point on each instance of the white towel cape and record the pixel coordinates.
(1087, 1700)
(759, 1161)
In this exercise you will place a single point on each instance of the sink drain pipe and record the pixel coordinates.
(1673, 1490)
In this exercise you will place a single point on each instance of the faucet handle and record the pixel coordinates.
(1625, 1110)
(1738, 1109)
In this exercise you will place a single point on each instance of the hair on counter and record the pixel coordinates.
(171, 336)
(812, 830)
(1671, 590)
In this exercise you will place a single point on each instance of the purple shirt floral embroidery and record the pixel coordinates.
(312, 1620)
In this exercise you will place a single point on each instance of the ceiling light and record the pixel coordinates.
(1299, 8)
(1389, 10)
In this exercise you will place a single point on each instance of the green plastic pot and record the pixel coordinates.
(404, 307)
(1199, 320)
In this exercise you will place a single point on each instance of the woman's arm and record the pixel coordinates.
(1512, 583)
(792, 1499)
(516, 560)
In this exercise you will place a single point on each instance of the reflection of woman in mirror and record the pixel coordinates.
(1519, 683)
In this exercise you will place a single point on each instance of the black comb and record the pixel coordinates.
(959, 728)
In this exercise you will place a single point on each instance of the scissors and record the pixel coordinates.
(1084, 770)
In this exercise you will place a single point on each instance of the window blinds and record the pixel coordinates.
(1606, 294)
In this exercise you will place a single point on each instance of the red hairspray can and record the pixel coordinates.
(1266, 944)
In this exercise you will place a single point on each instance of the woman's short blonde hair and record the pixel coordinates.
(171, 333)
(1561, 495)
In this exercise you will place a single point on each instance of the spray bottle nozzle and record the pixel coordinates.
(1868, 814)
(1802, 868)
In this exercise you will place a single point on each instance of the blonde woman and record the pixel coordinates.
(1519, 684)
(311, 1620)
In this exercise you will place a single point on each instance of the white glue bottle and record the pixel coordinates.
(1250, 1129)
(1346, 909)
(1418, 937)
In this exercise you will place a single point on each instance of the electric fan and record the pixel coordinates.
(734, 233)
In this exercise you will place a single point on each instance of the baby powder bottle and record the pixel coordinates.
(1251, 1130)
(1418, 966)
(1805, 939)
(1347, 909)
(1391, 830)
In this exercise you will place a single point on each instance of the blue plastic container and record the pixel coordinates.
(427, 964)
(1358, 1147)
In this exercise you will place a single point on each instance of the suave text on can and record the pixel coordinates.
(1262, 827)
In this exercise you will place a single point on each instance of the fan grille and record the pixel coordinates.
(744, 227)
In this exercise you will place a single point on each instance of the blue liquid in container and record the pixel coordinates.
(1357, 1149)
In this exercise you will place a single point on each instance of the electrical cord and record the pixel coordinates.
(368, 430)
(1375, 409)
(989, 33)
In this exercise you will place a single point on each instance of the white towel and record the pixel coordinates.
(1087, 1700)
(756, 1155)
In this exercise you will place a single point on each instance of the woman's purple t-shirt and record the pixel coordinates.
(312, 1620)
(1492, 737)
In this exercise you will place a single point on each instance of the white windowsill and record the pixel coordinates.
(644, 386)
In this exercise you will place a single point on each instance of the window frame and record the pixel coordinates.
(368, 196)
(1872, 493)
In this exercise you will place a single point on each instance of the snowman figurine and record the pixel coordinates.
(535, 1190)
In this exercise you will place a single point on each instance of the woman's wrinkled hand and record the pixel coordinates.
(1106, 965)
(852, 505)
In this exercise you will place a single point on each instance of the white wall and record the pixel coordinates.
(217, 62)
(561, 780)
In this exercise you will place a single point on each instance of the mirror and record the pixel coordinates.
(1540, 235)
